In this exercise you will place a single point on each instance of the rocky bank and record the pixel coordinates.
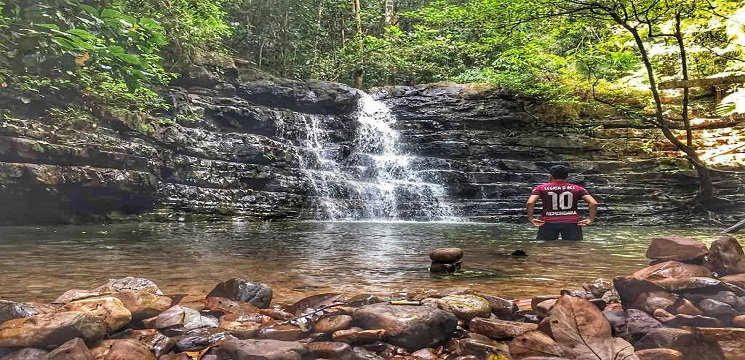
(688, 304)
(238, 149)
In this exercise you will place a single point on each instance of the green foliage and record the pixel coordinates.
(189, 27)
(115, 53)
(56, 40)
(73, 57)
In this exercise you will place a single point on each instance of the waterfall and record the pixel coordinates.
(371, 178)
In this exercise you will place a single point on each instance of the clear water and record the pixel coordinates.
(302, 258)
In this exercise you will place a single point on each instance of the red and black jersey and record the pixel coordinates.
(560, 199)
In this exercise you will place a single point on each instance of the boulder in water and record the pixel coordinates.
(446, 255)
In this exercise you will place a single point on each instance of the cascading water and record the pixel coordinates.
(371, 180)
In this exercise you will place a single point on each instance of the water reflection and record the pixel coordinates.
(301, 258)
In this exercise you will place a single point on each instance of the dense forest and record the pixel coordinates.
(119, 52)
(79, 61)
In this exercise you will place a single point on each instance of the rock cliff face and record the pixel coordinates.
(490, 148)
(241, 149)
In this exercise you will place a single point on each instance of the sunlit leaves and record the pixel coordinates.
(732, 104)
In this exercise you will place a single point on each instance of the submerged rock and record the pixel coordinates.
(254, 293)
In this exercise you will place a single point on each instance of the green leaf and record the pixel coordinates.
(111, 16)
(83, 35)
(116, 50)
(64, 42)
(89, 9)
(129, 59)
(48, 26)
(131, 82)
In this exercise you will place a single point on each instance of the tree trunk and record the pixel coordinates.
(735, 228)
(390, 13)
(684, 70)
(706, 188)
(359, 73)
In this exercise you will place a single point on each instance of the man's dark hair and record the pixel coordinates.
(559, 172)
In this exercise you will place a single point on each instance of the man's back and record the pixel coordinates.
(560, 200)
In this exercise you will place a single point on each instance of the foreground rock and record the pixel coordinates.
(672, 310)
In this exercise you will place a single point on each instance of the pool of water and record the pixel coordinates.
(302, 258)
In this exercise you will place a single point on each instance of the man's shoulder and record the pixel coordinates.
(541, 187)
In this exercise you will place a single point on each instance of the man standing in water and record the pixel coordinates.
(560, 199)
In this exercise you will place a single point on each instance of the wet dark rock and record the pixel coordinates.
(700, 284)
(315, 97)
(363, 299)
(411, 327)
(357, 336)
(676, 249)
(124, 349)
(331, 323)
(654, 300)
(716, 308)
(48, 331)
(726, 256)
(446, 255)
(159, 343)
(598, 287)
(201, 339)
(693, 346)
(502, 308)
(143, 304)
(535, 300)
(263, 349)
(254, 293)
(240, 326)
(25, 354)
(543, 307)
(426, 354)
(480, 348)
(13, 310)
(734, 279)
(681, 320)
(129, 284)
(359, 353)
(500, 329)
(74, 349)
(630, 288)
(663, 272)
(330, 349)
(534, 344)
(659, 354)
(727, 297)
(443, 267)
(107, 308)
(285, 332)
(617, 319)
(465, 307)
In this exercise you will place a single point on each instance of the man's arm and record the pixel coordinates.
(530, 206)
(592, 206)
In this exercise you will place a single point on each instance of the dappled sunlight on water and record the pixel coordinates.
(301, 258)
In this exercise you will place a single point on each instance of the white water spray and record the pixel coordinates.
(376, 181)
